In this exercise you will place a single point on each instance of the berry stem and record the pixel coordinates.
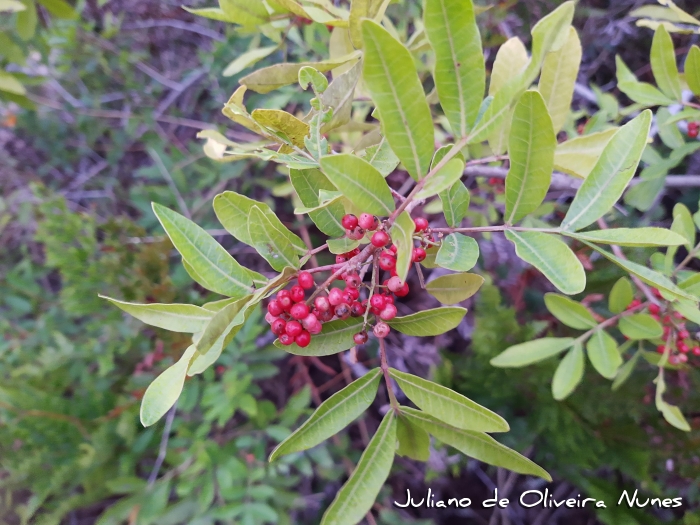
(612, 320)
(373, 285)
(385, 370)
(419, 271)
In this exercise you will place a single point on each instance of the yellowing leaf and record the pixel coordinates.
(247, 59)
(280, 121)
(186, 318)
(579, 155)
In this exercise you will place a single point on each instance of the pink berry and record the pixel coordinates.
(315, 329)
(335, 296)
(377, 301)
(349, 221)
(421, 224)
(394, 284)
(678, 315)
(322, 304)
(696, 350)
(381, 329)
(673, 360)
(341, 259)
(306, 280)
(355, 234)
(380, 239)
(286, 339)
(352, 280)
(654, 309)
(403, 292)
(360, 338)
(682, 358)
(418, 254)
(387, 262)
(299, 311)
(303, 339)
(296, 293)
(275, 308)
(352, 293)
(342, 311)
(357, 309)
(269, 318)
(683, 334)
(285, 302)
(368, 222)
(388, 312)
(293, 328)
(309, 321)
(278, 327)
(389, 299)
(682, 347)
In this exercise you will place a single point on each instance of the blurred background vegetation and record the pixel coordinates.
(98, 119)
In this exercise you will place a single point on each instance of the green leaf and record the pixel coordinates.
(691, 284)
(10, 84)
(630, 236)
(213, 13)
(579, 155)
(603, 353)
(309, 76)
(448, 176)
(604, 185)
(247, 59)
(569, 373)
(530, 352)
(673, 415)
(216, 269)
(531, 149)
(558, 78)
(307, 184)
(360, 182)
(342, 245)
(455, 203)
(570, 312)
(382, 157)
(625, 371)
(621, 295)
(640, 326)
(450, 26)
(552, 257)
(336, 336)
(274, 77)
(234, 210)
(282, 124)
(357, 496)
(663, 64)
(339, 96)
(332, 416)
(455, 287)
(186, 318)
(392, 80)
(272, 245)
(402, 236)
(684, 225)
(227, 320)
(457, 252)
(435, 321)
(640, 92)
(692, 70)
(245, 12)
(447, 405)
(648, 276)
(414, 442)
(162, 393)
(477, 445)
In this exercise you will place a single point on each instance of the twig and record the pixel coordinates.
(162, 451)
(419, 271)
(166, 175)
(175, 24)
(385, 370)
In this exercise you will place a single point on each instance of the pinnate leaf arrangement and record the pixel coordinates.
(377, 239)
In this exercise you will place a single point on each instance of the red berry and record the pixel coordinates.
(656, 292)
(634, 304)
(654, 309)
(309, 321)
(377, 301)
(393, 249)
(325, 316)
(388, 312)
(355, 234)
(352, 280)
(682, 358)
(278, 326)
(393, 273)
(285, 302)
(381, 329)
(297, 293)
(306, 280)
(661, 349)
(303, 339)
(682, 347)
(696, 350)
(418, 254)
(357, 309)
(342, 311)
(421, 224)
(335, 296)
(368, 222)
(315, 329)
(403, 292)
(387, 262)
(353, 293)
(293, 328)
(348, 297)
(394, 284)
(673, 360)
(322, 304)
(380, 239)
(389, 299)
(341, 259)
(286, 339)
(349, 221)
(667, 332)
(693, 129)
(360, 338)
(678, 315)
(269, 318)
(275, 308)
(683, 334)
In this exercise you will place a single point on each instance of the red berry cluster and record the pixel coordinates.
(693, 129)
(294, 319)
(674, 328)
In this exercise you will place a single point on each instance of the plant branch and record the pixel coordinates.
(611, 321)
(385, 370)
(163, 449)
